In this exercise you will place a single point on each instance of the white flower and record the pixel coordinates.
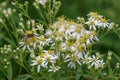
(86, 58)
(25, 43)
(92, 24)
(54, 68)
(100, 64)
(71, 30)
(34, 41)
(72, 60)
(42, 2)
(42, 40)
(39, 63)
(48, 33)
(49, 57)
(94, 16)
(93, 37)
(95, 60)
(63, 47)
(29, 41)
(96, 21)
(48, 41)
(73, 48)
(87, 37)
(39, 27)
(104, 23)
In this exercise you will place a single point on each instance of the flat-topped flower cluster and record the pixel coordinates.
(65, 42)
(96, 21)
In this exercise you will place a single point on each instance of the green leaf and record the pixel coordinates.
(1, 36)
(24, 77)
(116, 57)
(12, 43)
(9, 72)
(109, 68)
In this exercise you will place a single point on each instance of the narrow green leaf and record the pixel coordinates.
(24, 77)
(12, 43)
(9, 72)
(116, 57)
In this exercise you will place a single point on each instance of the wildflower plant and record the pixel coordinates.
(46, 47)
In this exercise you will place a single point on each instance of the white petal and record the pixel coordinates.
(38, 69)
(33, 64)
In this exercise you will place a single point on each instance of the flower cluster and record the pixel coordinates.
(66, 40)
(5, 51)
(45, 59)
(96, 21)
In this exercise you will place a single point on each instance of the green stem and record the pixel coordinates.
(4, 73)
(22, 65)
(104, 34)
(8, 31)
(49, 11)
(40, 13)
(24, 13)
(20, 70)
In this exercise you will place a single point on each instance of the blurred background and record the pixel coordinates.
(108, 8)
(74, 8)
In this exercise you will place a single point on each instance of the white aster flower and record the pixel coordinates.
(93, 37)
(49, 57)
(63, 47)
(95, 60)
(72, 59)
(104, 23)
(39, 63)
(71, 30)
(100, 64)
(86, 58)
(48, 33)
(42, 40)
(25, 44)
(54, 68)
(29, 40)
(40, 27)
(97, 21)
(92, 24)
(79, 54)
(34, 41)
(94, 16)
